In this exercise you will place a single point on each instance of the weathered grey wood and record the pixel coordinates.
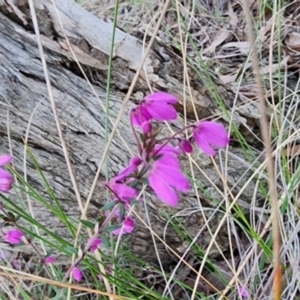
(24, 99)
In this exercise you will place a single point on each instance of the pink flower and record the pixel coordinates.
(77, 274)
(50, 260)
(127, 226)
(146, 127)
(95, 245)
(243, 292)
(6, 179)
(134, 164)
(124, 192)
(185, 146)
(165, 176)
(5, 159)
(157, 106)
(14, 236)
(140, 115)
(208, 134)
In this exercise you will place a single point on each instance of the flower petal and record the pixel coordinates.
(162, 97)
(163, 190)
(6, 180)
(167, 149)
(134, 164)
(95, 245)
(50, 260)
(169, 160)
(77, 274)
(5, 159)
(173, 177)
(124, 191)
(14, 236)
(214, 133)
(204, 145)
(140, 115)
(162, 111)
(127, 226)
(243, 292)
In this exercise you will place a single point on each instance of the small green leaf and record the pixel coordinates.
(71, 249)
(101, 219)
(104, 240)
(122, 212)
(88, 224)
(11, 216)
(109, 205)
(112, 228)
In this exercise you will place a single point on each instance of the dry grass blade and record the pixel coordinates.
(270, 165)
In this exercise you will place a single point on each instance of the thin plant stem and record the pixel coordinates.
(264, 125)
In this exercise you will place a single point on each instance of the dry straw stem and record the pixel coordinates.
(23, 276)
(268, 150)
(174, 253)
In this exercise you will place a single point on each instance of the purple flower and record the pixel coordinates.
(14, 236)
(95, 245)
(6, 179)
(50, 260)
(77, 274)
(157, 106)
(5, 159)
(140, 115)
(243, 292)
(165, 176)
(185, 146)
(133, 165)
(208, 134)
(124, 192)
(127, 226)
(146, 127)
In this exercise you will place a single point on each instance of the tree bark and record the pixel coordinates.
(25, 107)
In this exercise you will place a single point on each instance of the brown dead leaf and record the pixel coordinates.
(293, 41)
(220, 37)
(293, 151)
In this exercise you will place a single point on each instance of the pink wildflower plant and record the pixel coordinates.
(158, 161)
(6, 179)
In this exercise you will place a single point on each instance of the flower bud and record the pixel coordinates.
(77, 274)
(146, 127)
(14, 236)
(185, 146)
